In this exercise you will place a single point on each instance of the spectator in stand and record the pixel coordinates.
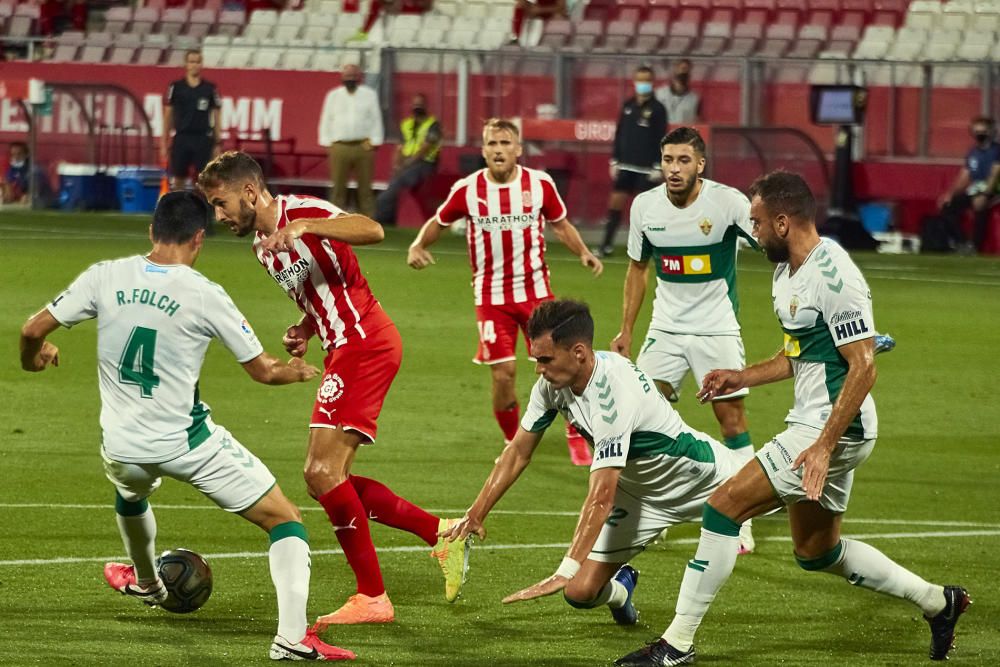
(415, 159)
(683, 104)
(253, 5)
(389, 7)
(351, 125)
(14, 186)
(975, 187)
(78, 14)
(191, 111)
(635, 158)
(535, 9)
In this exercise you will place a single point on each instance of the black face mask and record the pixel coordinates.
(418, 111)
(982, 137)
(682, 79)
(351, 85)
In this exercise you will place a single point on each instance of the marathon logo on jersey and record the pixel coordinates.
(292, 275)
(607, 448)
(331, 389)
(849, 324)
(503, 223)
(686, 265)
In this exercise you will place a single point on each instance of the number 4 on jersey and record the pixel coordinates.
(136, 365)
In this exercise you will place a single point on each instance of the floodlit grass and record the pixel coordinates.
(928, 497)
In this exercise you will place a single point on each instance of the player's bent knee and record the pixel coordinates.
(320, 478)
(822, 561)
(577, 603)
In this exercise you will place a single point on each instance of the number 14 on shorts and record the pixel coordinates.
(487, 331)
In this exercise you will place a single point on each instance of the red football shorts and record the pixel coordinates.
(498, 327)
(357, 377)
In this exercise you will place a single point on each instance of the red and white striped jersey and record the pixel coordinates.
(321, 275)
(505, 233)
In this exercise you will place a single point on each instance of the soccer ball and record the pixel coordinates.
(188, 580)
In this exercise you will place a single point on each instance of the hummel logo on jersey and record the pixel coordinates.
(656, 229)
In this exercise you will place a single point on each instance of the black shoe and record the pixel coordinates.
(627, 614)
(956, 601)
(657, 654)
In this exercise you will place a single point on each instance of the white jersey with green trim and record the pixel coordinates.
(694, 253)
(634, 428)
(826, 303)
(154, 323)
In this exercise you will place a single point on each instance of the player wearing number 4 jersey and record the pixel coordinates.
(651, 471)
(507, 207)
(155, 317)
(824, 307)
(305, 243)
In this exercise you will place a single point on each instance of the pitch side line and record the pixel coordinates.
(499, 547)
(460, 512)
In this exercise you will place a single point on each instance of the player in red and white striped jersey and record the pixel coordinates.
(305, 243)
(507, 207)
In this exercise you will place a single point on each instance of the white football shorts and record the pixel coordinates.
(778, 455)
(221, 468)
(668, 357)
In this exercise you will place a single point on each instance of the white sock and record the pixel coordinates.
(864, 565)
(743, 455)
(139, 536)
(704, 575)
(288, 558)
(617, 594)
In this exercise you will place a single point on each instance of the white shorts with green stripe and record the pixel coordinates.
(220, 467)
(778, 456)
(668, 357)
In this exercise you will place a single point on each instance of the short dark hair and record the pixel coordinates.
(644, 68)
(231, 168)
(188, 52)
(568, 322)
(785, 192)
(685, 135)
(983, 120)
(179, 215)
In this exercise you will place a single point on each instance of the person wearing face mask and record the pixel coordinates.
(415, 159)
(635, 158)
(683, 104)
(351, 125)
(974, 187)
(14, 186)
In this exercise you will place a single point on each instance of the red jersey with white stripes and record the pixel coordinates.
(321, 275)
(505, 233)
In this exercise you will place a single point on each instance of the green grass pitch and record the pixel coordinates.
(928, 497)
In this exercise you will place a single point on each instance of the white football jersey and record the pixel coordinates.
(634, 428)
(694, 253)
(154, 323)
(824, 305)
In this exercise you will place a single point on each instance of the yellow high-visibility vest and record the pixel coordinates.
(414, 138)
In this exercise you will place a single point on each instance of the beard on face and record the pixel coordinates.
(776, 251)
(246, 220)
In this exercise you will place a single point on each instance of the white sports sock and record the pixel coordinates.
(614, 594)
(864, 565)
(704, 575)
(139, 536)
(289, 561)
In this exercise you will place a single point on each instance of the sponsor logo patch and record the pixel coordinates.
(331, 389)
(686, 265)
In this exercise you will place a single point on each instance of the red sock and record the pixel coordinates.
(515, 27)
(350, 524)
(389, 509)
(509, 420)
(373, 13)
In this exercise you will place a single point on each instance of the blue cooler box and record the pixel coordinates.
(83, 188)
(138, 189)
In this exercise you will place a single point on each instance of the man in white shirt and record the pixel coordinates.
(155, 318)
(683, 104)
(351, 125)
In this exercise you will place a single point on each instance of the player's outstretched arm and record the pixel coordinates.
(636, 279)
(352, 229)
(513, 460)
(596, 508)
(861, 374)
(722, 382)
(37, 354)
(570, 237)
(418, 257)
(267, 369)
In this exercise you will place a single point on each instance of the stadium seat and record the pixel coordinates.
(618, 36)
(888, 12)
(212, 55)
(231, 22)
(843, 39)
(691, 11)
(124, 48)
(822, 12)
(586, 35)
(650, 37)
(217, 41)
(245, 41)
(792, 11)
(200, 22)
(942, 44)
(758, 11)
(238, 57)
(153, 55)
(145, 20)
(658, 14)
(923, 14)
(96, 47)
(855, 12)
(327, 60)
(777, 40)
(313, 33)
(462, 39)
(810, 41)
(296, 58)
(267, 58)
(117, 19)
(975, 45)
(599, 10)
(828, 73)
(557, 33)
(430, 38)
(69, 43)
(908, 45)
(174, 20)
(874, 43)
(958, 14)
(714, 37)
(436, 22)
(746, 36)
(680, 38)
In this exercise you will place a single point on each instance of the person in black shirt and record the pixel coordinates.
(635, 161)
(192, 112)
